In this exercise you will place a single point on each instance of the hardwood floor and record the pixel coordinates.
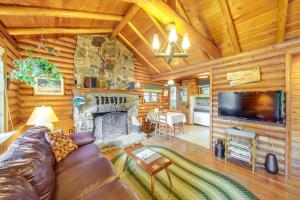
(262, 184)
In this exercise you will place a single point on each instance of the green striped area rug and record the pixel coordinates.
(190, 180)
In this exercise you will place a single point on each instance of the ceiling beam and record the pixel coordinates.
(51, 12)
(138, 52)
(46, 31)
(230, 25)
(128, 16)
(166, 15)
(282, 13)
(147, 43)
(3, 30)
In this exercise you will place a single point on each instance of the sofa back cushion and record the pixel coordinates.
(16, 187)
(38, 173)
(61, 144)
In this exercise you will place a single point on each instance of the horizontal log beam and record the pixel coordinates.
(47, 31)
(51, 12)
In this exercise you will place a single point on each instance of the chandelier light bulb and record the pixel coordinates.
(172, 34)
(185, 42)
(155, 42)
(171, 82)
(168, 51)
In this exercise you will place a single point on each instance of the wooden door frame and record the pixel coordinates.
(288, 142)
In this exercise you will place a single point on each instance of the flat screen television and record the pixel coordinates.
(259, 106)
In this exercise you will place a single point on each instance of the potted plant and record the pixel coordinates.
(32, 68)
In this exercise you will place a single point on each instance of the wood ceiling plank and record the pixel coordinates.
(129, 15)
(230, 25)
(46, 31)
(166, 15)
(131, 46)
(51, 12)
(282, 14)
(145, 41)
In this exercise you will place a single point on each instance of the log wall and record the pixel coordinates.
(272, 78)
(62, 105)
(11, 53)
(142, 75)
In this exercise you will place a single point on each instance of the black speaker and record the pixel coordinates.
(90, 82)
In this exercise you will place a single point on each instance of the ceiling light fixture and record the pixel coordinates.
(168, 49)
(171, 82)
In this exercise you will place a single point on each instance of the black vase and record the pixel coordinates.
(271, 164)
(220, 149)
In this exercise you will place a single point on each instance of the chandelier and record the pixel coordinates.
(169, 47)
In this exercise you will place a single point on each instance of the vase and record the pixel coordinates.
(271, 164)
(219, 149)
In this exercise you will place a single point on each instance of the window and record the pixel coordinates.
(173, 98)
(151, 97)
(2, 87)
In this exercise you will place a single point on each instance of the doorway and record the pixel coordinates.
(194, 99)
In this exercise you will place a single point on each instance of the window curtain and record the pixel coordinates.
(152, 88)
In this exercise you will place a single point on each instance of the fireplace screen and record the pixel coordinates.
(109, 126)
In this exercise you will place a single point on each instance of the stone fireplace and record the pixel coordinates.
(106, 109)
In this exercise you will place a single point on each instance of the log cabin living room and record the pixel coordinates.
(149, 99)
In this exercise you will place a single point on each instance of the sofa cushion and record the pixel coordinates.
(83, 138)
(22, 146)
(84, 178)
(39, 174)
(61, 144)
(115, 190)
(16, 188)
(82, 154)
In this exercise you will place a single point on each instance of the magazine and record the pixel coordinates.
(145, 154)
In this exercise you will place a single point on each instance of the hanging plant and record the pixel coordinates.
(32, 68)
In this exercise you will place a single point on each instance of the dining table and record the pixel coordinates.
(173, 118)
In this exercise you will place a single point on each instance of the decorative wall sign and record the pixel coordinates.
(43, 87)
(243, 77)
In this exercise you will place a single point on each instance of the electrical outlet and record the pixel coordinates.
(263, 138)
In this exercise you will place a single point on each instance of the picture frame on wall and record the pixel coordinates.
(43, 87)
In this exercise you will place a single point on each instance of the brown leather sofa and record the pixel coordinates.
(28, 171)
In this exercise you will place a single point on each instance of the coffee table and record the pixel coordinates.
(152, 165)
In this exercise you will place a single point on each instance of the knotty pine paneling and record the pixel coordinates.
(142, 75)
(62, 105)
(11, 53)
(272, 78)
(295, 116)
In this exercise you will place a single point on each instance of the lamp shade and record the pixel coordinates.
(41, 116)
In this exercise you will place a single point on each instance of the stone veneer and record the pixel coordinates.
(83, 117)
(108, 61)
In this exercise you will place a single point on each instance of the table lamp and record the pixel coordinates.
(42, 116)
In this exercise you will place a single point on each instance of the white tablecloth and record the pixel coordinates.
(172, 117)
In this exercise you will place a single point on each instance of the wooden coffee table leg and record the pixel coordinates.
(169, 177)
(125, 164)
(152, 186)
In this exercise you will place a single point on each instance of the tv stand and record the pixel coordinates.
(240, 144)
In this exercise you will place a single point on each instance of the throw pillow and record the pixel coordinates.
(61, 144)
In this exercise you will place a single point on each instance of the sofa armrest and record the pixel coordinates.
(83, 138)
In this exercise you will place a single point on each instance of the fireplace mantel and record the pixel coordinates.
(99, 90)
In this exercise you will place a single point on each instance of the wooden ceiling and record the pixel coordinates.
(215, 27)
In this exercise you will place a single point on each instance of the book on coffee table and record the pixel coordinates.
(146, 153)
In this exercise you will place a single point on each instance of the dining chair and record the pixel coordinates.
(163, 126)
